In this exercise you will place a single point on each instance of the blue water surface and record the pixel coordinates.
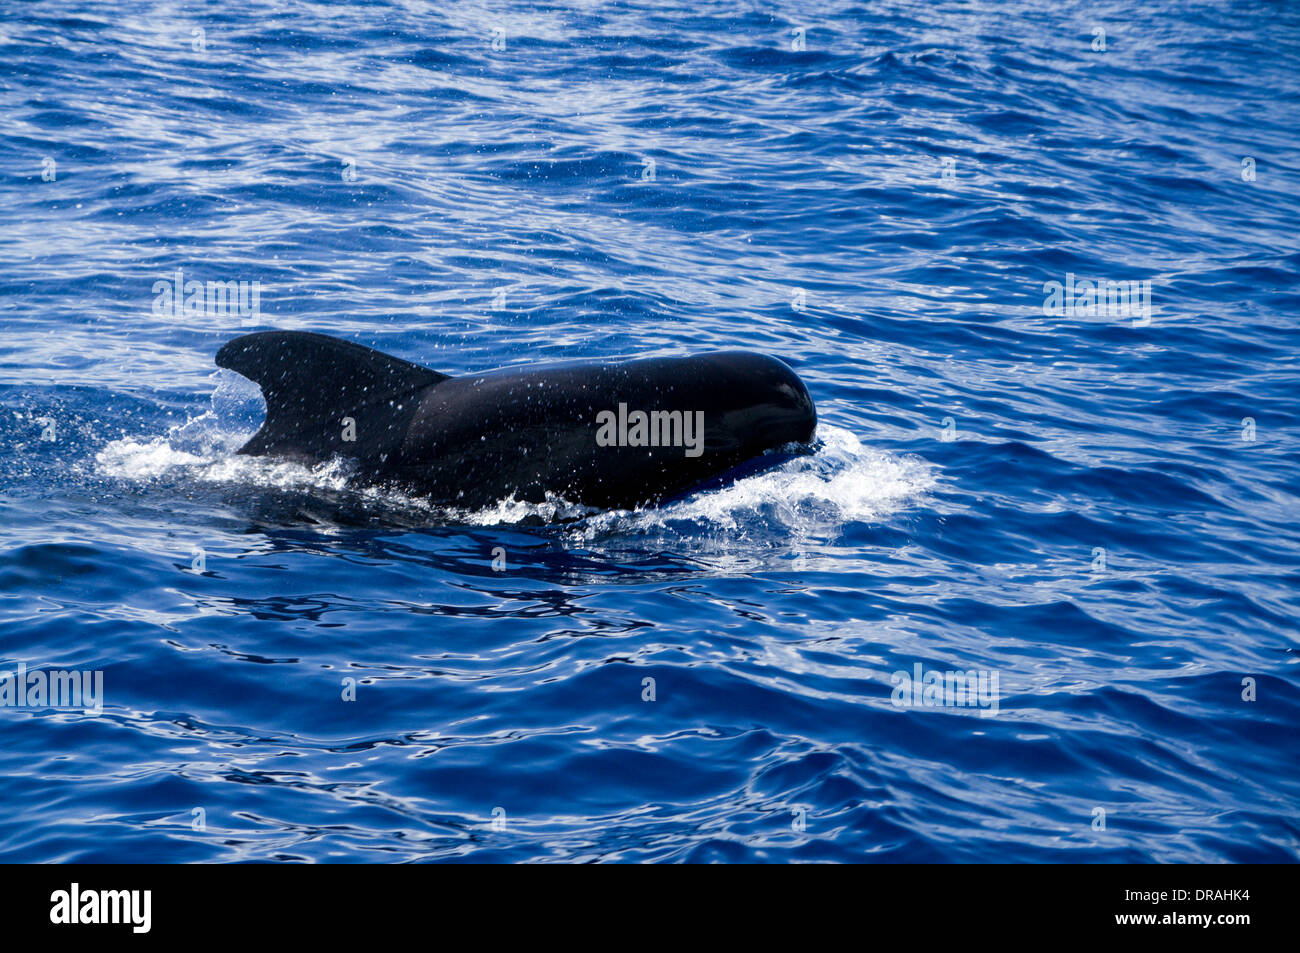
(1099, 510)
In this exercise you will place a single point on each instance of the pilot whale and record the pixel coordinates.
(600, 433)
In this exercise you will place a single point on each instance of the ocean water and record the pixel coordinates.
(1095, 513)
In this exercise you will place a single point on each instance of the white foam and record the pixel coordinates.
(843, 482)
(203, 448)
(554, 509)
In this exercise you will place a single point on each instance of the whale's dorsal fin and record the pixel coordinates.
(311, 381)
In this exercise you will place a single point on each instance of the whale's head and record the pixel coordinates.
(758, 402)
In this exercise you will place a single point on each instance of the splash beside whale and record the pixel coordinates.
(603, 434)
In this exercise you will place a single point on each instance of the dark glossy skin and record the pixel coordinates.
(527, 431)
